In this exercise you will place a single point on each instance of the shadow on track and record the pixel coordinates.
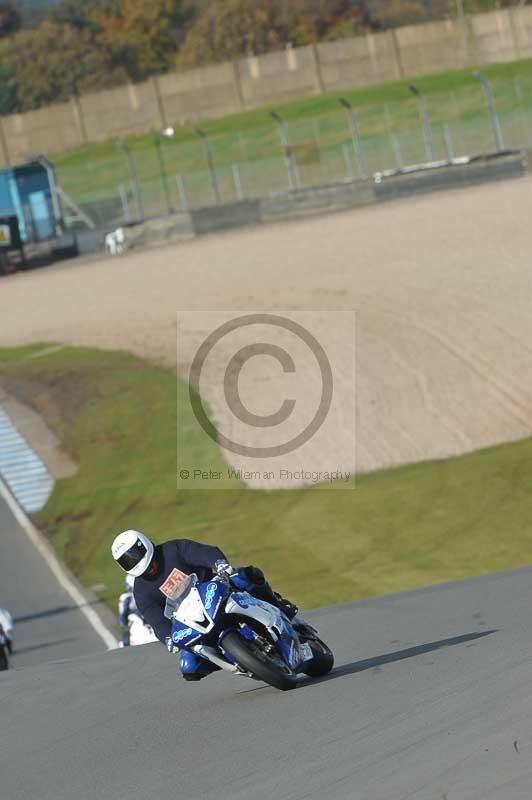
(386, 658)
(397, 655)
(29, 648)
(51, 612)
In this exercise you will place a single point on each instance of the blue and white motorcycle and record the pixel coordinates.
(244, 635)
(5, 650)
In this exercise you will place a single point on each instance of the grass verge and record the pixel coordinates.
(396, 530)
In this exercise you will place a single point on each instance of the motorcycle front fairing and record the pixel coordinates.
(193, 613)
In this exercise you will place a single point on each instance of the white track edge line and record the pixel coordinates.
(57, 569)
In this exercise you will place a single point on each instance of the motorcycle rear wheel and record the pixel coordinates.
(4, 661)
(252, 659)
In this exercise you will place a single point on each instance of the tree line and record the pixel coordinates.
(87, 45)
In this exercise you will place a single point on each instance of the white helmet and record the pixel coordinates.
(133, 551)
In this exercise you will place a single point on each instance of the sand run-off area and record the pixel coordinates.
(441, 287)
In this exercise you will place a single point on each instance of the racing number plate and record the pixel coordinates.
(173, 585)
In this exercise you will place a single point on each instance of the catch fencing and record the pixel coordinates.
(182, 169)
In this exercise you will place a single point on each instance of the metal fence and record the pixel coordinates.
(179, 169)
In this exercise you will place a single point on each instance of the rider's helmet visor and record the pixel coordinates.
(133, 556)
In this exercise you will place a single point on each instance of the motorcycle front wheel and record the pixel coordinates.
(323, 660)
(252, 658)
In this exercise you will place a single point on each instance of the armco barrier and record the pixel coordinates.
(481, 169)
(225, 216)
(316, 200)
(327, 199)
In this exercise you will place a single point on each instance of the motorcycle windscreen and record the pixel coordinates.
(179, 594)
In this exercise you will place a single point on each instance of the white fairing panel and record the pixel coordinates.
(247, 606)
(191, 612)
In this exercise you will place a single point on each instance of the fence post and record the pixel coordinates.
(210, 164)
(293, 175)
(396, 146)
(348, 163)
(425, 121)
(238, 183)
(125, 204)
(159, 100)
(133, 177)
(317, 69)
(162, 170)
(355, 135)
(448, 139)
(494, 118)
(77, 110)
(182, 193)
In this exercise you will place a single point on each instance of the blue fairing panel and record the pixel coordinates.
(212, 594)
(182, 636)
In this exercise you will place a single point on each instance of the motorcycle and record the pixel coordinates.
(244, 635)
(139, 631)
(6, 626)
(4, 651)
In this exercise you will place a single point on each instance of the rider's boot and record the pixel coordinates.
(288, 608)
(194, 668)
(260, 588)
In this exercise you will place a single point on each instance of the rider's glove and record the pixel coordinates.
(223, 568)
(170, 646)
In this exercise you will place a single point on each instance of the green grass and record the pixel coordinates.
(397, 529)
(388, 120)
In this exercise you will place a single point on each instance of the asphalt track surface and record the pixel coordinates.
(47, 623)
(431, 698)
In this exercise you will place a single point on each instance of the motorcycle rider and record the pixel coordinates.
(158, 568)
(6, 626)
(126, 606)
(135, 629)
